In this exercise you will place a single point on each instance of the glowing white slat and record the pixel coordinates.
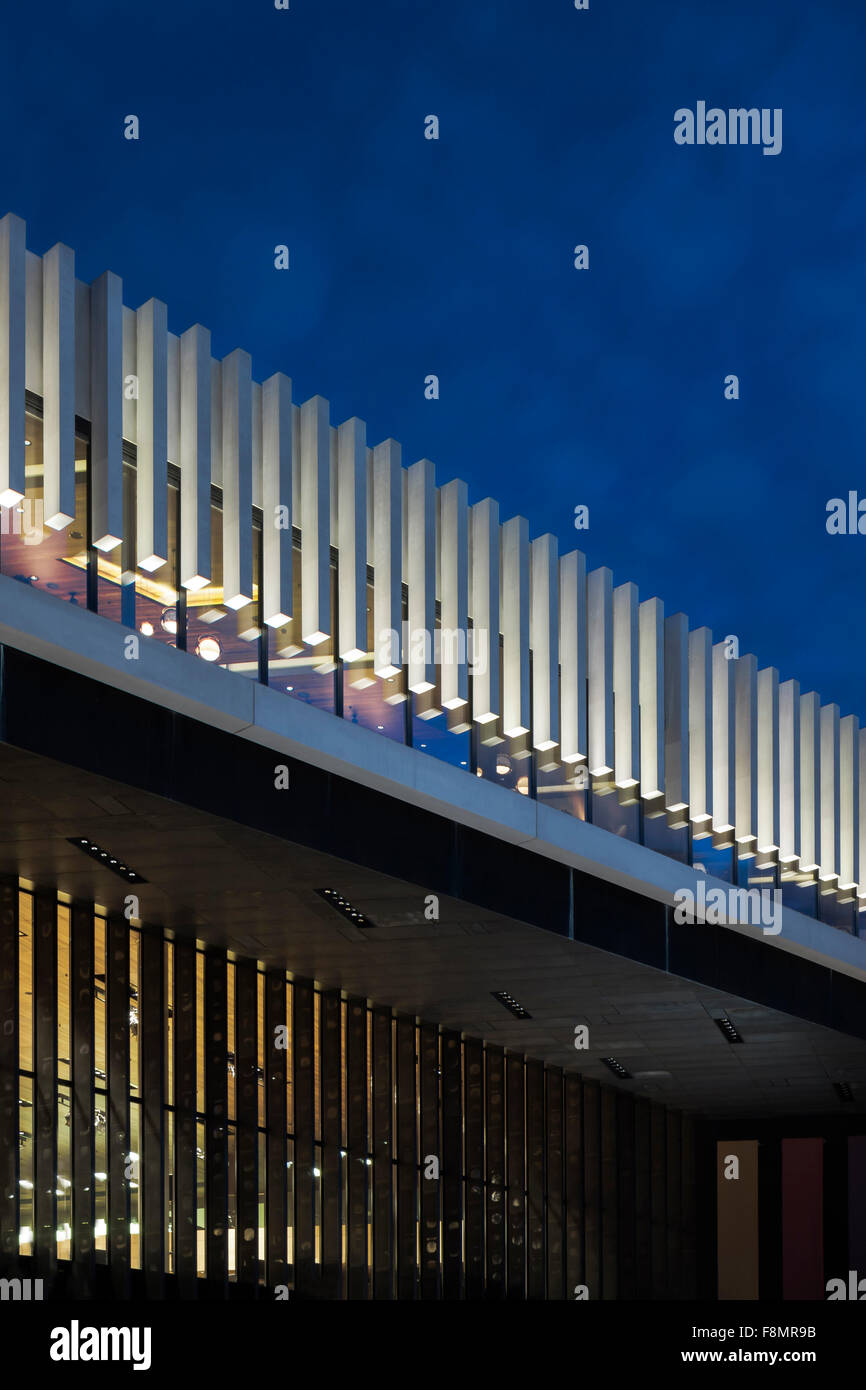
(151, 473)
(387, 559)
(746, 750)
(572, 655)
(626, 647)
(106, 407)
(514, 621)
(651, 695)
(677, 712)
(315, 521)
(701, 727)
(351, 492)
(544, 640)
(599, 660)
(829, 854)
(810, 779)
(195, 457)
(454, 580)
(277, 513)
(724, 738)
(13, 309)
(58, 386)
(768, 759)
(849, 801)
(421, 574)
(789, 771)
(237, 479)
(484, 580)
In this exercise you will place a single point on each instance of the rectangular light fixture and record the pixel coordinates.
(509, 1002)
(617, 1068)
(112, 862)
(727, 1029)
(344, 907)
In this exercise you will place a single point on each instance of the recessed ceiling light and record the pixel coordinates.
(104, 858)
(208, 648)
(344, 907)
(617, 1068)
(727, 1029)
(510, 1003)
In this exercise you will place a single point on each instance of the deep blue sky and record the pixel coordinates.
(305, 127)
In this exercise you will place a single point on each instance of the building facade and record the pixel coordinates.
(259, 682)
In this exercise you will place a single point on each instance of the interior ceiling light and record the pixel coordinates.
(617, 1068)
(727, 1029)
(168, 621)
(108, 861)
(510, 1003)
(146, 629)
(208, 648)
(344, 907)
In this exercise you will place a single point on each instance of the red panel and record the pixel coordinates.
(803, 1219)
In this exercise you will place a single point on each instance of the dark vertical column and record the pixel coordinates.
(642, 1200)
(303, 1093)
(276, 1080)
(332, 1138)
(452, 1168)
(658, 1214)
(535, 1254)
(151, 1025)
(216, 1121)
(383, 1177)
(770, 1220)
(9, 1117)
(835, 1191)
(857, 1204)
(802, 1219)
(554, 1183)
(45, 1083)
(407, 1161)
(625, 1200)
(431, 1147)
(184, 1033)
(120, 1168)
(358, 1147)
(473, 1065)
(515, 1159)
(609, 1195)
(689, 1223)
(575, 1264)
(737, 1217)
(495, 1172)
(247, 1120)
(592, 1188)
(674, 1203)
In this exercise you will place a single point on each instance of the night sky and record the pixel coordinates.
(558, 387)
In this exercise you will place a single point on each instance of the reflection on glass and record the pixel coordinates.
(294, 667)
(368, 700)
(30, 551)
(224, 636)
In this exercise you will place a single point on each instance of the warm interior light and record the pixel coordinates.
(108, 542)
(208, 648)
(168, 621)
(153, 562)
(146, 629)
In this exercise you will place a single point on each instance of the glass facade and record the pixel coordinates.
(66, 565)
(308, 1141)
